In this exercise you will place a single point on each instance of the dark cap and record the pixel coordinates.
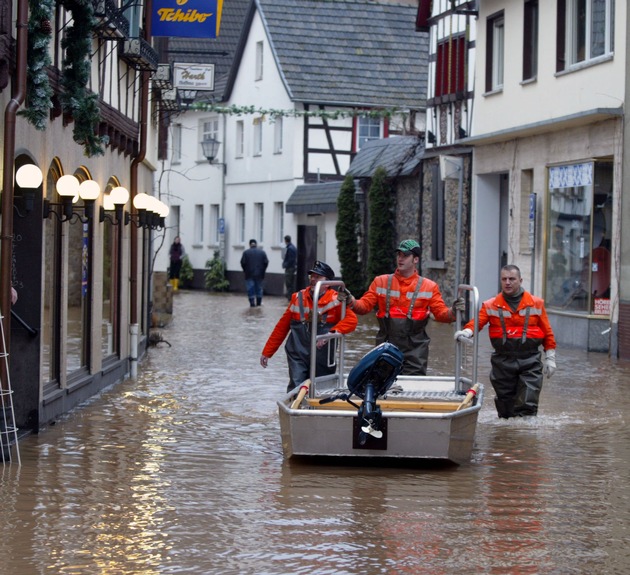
(322, 269)
(409, 247)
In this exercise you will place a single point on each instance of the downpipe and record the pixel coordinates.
(133, 352)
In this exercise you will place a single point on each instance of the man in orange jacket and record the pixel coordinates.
(404, 302)
(297, 322)
(518, 327)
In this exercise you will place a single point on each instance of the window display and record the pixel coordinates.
(578, 250)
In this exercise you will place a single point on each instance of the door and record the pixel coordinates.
(306, 253)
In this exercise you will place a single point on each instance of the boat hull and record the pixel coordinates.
(422, 433)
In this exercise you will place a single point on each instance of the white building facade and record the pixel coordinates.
(548, 133)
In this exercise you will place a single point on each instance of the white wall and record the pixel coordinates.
(551, 95)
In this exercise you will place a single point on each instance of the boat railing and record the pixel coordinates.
(336, 341)
(462, 384)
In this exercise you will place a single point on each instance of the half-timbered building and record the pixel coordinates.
(311, 83)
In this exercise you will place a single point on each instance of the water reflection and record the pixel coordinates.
(182, 471)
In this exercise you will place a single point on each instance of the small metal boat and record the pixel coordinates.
(373, 412)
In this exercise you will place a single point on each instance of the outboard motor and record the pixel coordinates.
(371, 378)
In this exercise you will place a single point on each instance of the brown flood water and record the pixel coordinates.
(181, 471)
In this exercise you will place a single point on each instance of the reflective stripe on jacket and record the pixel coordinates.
(328, 310)
(520, 331)
(396, 296)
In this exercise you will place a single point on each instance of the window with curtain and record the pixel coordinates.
(450, 69)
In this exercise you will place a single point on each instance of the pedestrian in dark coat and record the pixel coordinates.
(289, 263)
(254, 263)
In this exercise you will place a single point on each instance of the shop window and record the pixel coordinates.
(579, 235)
(51, 322)
(110, 331)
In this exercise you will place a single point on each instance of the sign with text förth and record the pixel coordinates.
(193, 76)
(186, 18)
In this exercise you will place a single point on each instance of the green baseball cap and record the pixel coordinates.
(409, 247)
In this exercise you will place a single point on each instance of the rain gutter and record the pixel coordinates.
(6, 238)
(133, 177)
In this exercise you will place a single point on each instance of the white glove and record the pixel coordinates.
(464, 335)
(550, 362)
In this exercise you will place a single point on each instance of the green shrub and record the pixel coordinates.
(348, 231)
(186, 273)
(381, 230)
(214, 276)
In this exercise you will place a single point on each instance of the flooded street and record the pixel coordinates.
(181, 471)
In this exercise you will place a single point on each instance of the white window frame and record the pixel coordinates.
(214, 216)
(277, 136)
(368, 128)
(259, 60)
(240, 223)
(278, 222)
(573, 33)
(258, 136)
(199, 224)
(498, 52)
(240, 139)
(259, 221)
(176, 144)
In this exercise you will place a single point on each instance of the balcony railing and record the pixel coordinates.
(111, 23)
(139, 54)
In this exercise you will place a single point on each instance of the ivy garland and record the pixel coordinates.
(38, 90)
(77, 100)
(275, 113)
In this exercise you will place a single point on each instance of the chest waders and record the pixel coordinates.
(298, 347)
(517, 372)
(407, 334)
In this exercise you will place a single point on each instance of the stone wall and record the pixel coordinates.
(443, 271)
(162, 300)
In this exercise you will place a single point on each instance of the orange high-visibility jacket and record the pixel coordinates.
(525, 329)
(401, 298)
(328, 308)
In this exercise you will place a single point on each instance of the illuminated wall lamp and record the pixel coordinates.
(114, 201)
(28, 178)
(149, 212)
(70, 190)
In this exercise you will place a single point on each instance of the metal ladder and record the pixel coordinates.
(8, 428)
